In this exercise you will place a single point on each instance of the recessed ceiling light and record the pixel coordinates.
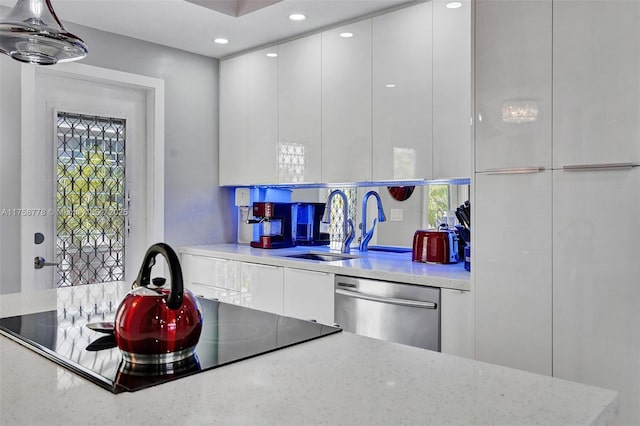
(272, 55)
(346, 35)
(297, 17)
(221, 41)
(390, 85)
(454, 5)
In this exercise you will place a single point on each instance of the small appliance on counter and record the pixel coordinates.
(305, 226)
(274, 220)
(435, 246)
(154, 325)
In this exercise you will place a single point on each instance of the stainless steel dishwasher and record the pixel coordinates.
(401, 313)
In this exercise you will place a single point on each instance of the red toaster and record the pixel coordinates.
(435, 246)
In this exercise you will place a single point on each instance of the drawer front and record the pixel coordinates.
(210, 271)
(209, 292)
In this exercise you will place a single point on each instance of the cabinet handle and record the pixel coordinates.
(596, 167)
(514, 170)
(389, 300)
(311, 272)
(261, 265)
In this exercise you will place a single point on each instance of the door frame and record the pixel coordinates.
(154, 91)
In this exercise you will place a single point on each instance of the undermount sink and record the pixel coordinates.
(322, 257)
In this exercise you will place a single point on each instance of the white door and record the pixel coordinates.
(83, 183)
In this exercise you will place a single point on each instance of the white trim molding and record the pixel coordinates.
(154, 90)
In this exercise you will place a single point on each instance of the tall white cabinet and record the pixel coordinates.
(512, 214)
(584, 154)
(596, 134)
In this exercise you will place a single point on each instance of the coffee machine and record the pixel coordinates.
(274, 221)
(305, 220)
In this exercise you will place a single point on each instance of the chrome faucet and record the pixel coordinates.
(347, 225)
(367, 235)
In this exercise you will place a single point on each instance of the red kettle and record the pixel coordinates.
(154, 325)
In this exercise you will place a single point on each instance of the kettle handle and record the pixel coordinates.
(174, 301)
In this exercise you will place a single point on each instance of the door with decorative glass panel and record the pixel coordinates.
(84, 184)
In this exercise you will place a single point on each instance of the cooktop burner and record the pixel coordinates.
(230, 333)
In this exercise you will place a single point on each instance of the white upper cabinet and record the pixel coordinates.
(249, 119)
(299, 110)
(233, 118)
(402, 93)
(513, 84)
(346, 103)
(451, 90)
(596, 82)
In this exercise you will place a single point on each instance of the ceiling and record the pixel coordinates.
(192, 27)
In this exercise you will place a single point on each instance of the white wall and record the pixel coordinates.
(9, 174)
(196, 210)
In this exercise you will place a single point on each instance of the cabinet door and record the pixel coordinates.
(262, 91)
(456, 323)
(346, 103)
(402, 93)
(248, 141)
(309, 295)
(221, 294)
(596, 284)
(233, 120)
(210, 271)
(451, 90)
(596, 83)
(513, 84)
(262, 286)
(512, 264)
(299, 110)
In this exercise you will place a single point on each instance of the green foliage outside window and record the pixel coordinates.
(437, 204)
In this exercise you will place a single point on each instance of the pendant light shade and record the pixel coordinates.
(32, 33)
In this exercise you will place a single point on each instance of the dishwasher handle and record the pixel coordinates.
(390, 300)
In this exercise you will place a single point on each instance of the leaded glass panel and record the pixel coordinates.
(90, 199)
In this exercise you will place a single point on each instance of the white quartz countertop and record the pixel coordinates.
(384, 266)
(342, 379)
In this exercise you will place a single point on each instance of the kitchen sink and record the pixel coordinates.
(322, 257)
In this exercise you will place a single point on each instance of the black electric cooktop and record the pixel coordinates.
(230, 333)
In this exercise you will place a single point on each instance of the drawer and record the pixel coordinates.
(221, 273)
(209, 292)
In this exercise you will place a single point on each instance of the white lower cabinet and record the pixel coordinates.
(262, 285)
(309, 295)
(210, 271)
(456, 323)
(247, 284)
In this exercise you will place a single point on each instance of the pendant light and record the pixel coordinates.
(32, 33)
